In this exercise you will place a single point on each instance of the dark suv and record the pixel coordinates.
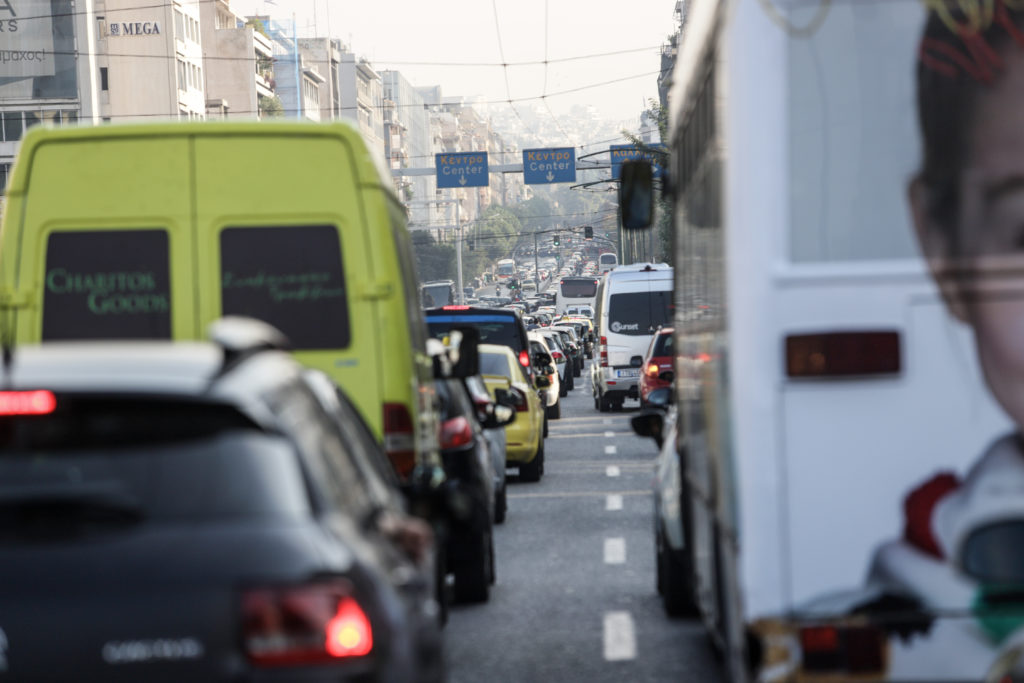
(202, 512)
(496, 326)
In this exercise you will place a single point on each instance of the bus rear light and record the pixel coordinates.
(843, 649)
(399, 438)
(843, 354)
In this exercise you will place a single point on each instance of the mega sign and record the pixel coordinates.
(134, 28)
(461, 169)
(655, 155)
(26, 38)
(554, 165)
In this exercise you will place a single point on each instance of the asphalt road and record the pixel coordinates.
(575, 598)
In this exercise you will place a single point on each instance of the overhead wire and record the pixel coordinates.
(544, 92)
(501, 53)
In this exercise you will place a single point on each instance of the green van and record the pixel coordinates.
(153, 231)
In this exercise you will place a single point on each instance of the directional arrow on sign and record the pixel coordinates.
(462, 180)
(550, 176)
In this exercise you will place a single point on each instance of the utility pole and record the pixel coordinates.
(536, 261)
(458, 251)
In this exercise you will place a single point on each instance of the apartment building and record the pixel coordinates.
(239, 62)
(362, 97)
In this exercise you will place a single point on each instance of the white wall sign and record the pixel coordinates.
(119, 29)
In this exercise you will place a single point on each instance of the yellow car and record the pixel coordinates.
(524, 436)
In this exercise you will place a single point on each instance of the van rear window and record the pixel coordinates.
(107, 284)
(639, 313)
(290, 277)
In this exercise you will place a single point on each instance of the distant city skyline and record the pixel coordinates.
(455, 44)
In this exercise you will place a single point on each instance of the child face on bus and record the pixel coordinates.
(977, 256)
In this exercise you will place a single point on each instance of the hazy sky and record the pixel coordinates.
(413, 35)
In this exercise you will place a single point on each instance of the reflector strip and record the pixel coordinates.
(843, 354)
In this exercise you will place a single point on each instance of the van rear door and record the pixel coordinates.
(281, 238)
(93, 254)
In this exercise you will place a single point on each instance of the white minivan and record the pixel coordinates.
(632, 303)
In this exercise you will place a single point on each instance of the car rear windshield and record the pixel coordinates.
(141, 460)
(494, 328)
(578, 289)
(107, 284)
(663, 345)
(639, 313)
(290, 277)
(494, 364)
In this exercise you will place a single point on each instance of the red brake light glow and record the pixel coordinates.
(524, 358)
(456, 432)
(455, 308)
(348, 632)
(40, 402)
(399, 438)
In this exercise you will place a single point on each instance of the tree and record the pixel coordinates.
(270, 107)
(433, 261)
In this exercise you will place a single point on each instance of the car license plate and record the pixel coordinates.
(632, 372)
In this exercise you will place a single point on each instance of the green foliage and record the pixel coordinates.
(257, 25)
(270, 107)
(433, 261)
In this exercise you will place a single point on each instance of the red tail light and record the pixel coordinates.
(455, 308)
(456, 432)
(843, 354)
(604, 352)
(557, 355)
(27, 402)
(844, 649)
(399, 438)
(522, 405)
(302, 625)
(524, 358)
(652, 370)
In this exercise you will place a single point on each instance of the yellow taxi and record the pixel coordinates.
(524, 436)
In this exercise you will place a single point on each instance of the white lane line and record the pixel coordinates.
(619, 637)
(609, 434)
(613, 501)
(612, 470)
(615, 551)
(610, 450)
(607, 421)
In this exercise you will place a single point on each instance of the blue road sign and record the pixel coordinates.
(461, 169)
(552, 165)
(622, 153)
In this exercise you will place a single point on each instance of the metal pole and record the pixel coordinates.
(536, 261)
(458, 250)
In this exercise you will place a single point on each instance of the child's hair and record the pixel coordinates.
(961, 52)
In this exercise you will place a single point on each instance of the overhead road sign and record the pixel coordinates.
(649, 154)
(461, 169)
(551, 165)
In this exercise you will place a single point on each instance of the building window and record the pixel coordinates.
(179, 25)
(5, 172)
(104, 83)
(13, 125)
(182, 75)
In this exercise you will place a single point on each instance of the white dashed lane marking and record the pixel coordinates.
(612, 470)
(614, 551)
(609, 434)
(613, 502)
(619, 637)
(610, 450)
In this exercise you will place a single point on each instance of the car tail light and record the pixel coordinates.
(524, 358)
(652, 370)
(604, 352)
(845, 649)
(843, 354)
(40, 402)
(456, 432)
(521, 403)
(302, 625)
(399, 438)
(455, 308)
(557, 355)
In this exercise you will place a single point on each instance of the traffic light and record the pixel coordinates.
(556, 240)
(588, 232)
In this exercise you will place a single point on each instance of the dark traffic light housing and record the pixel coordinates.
(588, 232)
(556, 240)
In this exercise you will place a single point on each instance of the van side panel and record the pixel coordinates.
(133, 184)
(246, 192)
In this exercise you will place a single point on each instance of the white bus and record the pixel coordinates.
(847, 513)
(575, 291)
(505, 271)
(606, 262)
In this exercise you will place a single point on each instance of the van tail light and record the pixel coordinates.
(843, 354)
(843, 649)
(304, 625)
(604, 352)
(652, 370)
(456, 432)
(40, 402)
(521, 403)
(524, 358)
(400, 438)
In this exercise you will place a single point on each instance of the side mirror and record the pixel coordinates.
(660, 398)
(503, 397)
(636, 195)
(542, 382)
(541, 358)
(649, 424)
(501, 416)
(636, 362)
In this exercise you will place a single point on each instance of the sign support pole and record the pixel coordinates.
(458, 251)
